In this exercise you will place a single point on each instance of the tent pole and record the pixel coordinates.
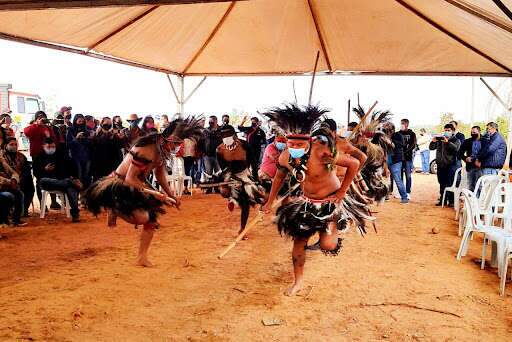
(181, 95)
(194, 90)
(509, 112)
(472, 101)
(174, 92)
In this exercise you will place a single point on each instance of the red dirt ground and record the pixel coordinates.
(64, 282)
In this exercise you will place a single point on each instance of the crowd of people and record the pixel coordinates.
(70, 152)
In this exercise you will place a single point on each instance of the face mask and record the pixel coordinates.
(211, 123)
(346, 134)
(106, 127)
(150, 125)
(254, 124)
(297, 152)
(280, 145)
(448, 134)
(474, 136)
(11, 149)
(49, 151)
(228, 141)
(67, 118)
(226, 121)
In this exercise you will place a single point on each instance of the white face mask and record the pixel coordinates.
(346, 134)
(49, 151)
(228, 141)
(402, 127)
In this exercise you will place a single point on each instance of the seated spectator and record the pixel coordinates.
(11, 194)
(79, 146)
(148, 125)
(19, 163)
(105, 150)
(56, 172)
(5, 122)
(38, 132)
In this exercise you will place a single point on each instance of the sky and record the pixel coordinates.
(100, 87)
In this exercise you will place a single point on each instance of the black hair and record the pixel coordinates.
(48, 141)
(255, 118)
(405, 120)
(454, 122)
(212, 117)
(352, 124)
(477, 127)
(40, 113)
(225, 116)
(332, 124)
(449, 126)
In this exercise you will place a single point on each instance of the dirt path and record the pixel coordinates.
(62, 282)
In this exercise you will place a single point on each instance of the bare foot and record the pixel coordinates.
(296, 287)
(144, 262)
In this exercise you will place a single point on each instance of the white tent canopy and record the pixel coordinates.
(273, 37)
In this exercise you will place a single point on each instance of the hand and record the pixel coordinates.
(80, 135)
(468, 160)
(49, 167)
(477, 163)
(434, 139)
(14, 183)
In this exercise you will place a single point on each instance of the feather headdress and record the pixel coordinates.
(180, 129)
(295, 120)
(367, 126)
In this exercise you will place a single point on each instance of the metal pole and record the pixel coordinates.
(181, 95)
(472, 101)
(194, 90)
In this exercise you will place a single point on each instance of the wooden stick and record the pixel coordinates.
(253, 223)
(313, 79)
(348, 113)
(155, 193)
(213, 185)
(412, 306)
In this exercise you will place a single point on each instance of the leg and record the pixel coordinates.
(244, 215)
(396, 170)
(425, 165)
(27, 187)
(18, 207)
(6, 202)
(298, 259)
(145, 240)
(408, 177)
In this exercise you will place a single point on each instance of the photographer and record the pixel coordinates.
(446, 145)
(78, 140)
(37, 132)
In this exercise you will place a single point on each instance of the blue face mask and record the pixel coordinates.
(280, 145)
(448, 134)
(297, 152)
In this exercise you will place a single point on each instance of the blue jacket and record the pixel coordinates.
(493, 152)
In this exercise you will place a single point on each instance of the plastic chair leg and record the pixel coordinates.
(484, 250)
(442, 199)
(463, 242)
(44, 194)
(503, 279)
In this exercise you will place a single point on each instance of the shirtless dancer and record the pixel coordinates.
(234, 159)
(122, 193)
(312, 159)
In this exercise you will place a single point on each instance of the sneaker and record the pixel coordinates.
(409, 197)
(55, 206)
(20, 224)
(397, 196)
(404, 201)
(75, 219)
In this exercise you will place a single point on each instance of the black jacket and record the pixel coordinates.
(446, 153)
(210, 141)
(255, 137)
(409, 143)
(64, 166)
(397, 154)
(466, 150)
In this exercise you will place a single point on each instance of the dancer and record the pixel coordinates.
(125, 193)
(234, 158)
(312, 159)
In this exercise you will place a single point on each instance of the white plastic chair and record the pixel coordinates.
(63, 198)
(177, 178)
(456, 192)
(507, 256)
(502, 209)
(474, 223)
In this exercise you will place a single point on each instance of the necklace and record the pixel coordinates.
(299, 169)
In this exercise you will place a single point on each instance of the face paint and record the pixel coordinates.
(296, 152)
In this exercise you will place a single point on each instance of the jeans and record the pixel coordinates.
(407, 165)
(488, 171)
(473, 176)
(425, 161)
(84, 172)
(396, 170)
(11, 198)
(211, 167)
(63, 185)
(445, 176)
